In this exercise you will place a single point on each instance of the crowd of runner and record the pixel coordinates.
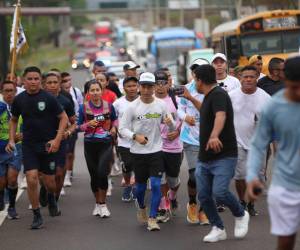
(226, 125)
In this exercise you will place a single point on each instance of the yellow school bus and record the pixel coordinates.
(269, 34)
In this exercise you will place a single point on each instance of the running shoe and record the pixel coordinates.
(251, 209)
(96, 211)
(43, 197)
(133, 193)
(12, 213)
(162, 216)
(203, 218)
(141, 215)
(192, 213)
(215, 235)
(152, 225)
(104, 212)
(37, 221)
(54, 210)
(221, 208)
(126, 197)
(241, 226)
(173, 206)
(244, 204)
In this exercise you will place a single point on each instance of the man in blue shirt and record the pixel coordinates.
(281, 116)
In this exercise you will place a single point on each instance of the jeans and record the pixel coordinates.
(213, 179)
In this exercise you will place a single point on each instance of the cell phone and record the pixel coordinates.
(178, 90)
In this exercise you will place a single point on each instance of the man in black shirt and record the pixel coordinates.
(42, 135)
(217, 156)
(52, 85)
(272, 83)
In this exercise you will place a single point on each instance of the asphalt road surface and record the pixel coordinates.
(77, 229)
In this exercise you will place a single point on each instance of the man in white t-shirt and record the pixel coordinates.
(247, 103)
(227, 82)
(120, 105)
(141, 124)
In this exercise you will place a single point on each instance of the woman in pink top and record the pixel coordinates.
(172, 150)
(98, 121)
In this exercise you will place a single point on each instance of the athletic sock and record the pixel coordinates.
(172, 194)
(156, 195)
(12, 194)
(68, 174)
(163, 203)
(140, 194)
(192, 199)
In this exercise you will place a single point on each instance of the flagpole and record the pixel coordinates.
(14, 51)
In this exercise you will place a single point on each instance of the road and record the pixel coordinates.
(77, 229)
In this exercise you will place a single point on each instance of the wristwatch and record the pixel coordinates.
(133, 137)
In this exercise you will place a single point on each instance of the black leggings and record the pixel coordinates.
(98, 156)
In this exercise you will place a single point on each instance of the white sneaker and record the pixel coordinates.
(241, 226)
(67, 182)
(62, 192)
(96, 211)
(104, 212)
(216, 234)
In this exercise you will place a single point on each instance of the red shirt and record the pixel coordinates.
(107, 95)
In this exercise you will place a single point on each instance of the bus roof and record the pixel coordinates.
(233, 26)
(174, 32)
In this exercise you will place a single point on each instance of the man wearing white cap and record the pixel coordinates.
(227, 82)
(130, 70)
(141, 123)
(189, 135)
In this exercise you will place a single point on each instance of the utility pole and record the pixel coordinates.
(168, 15)
(203, 15)
(181, 13)
(157, 13)
(3, 43)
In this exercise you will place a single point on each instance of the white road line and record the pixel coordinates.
(3, 213)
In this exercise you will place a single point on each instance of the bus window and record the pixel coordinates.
(291, 41)
(232, 47)
(264, 43)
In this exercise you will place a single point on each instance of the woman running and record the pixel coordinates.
(97, 118)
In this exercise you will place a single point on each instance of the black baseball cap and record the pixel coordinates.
(128, 79)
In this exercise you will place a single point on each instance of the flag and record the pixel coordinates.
(18, 39)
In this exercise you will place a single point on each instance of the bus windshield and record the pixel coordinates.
(271, 43)
(169, 50)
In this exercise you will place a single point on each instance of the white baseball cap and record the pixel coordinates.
(198, 62)
(147, 78)
(130, 65)
(219, 55)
